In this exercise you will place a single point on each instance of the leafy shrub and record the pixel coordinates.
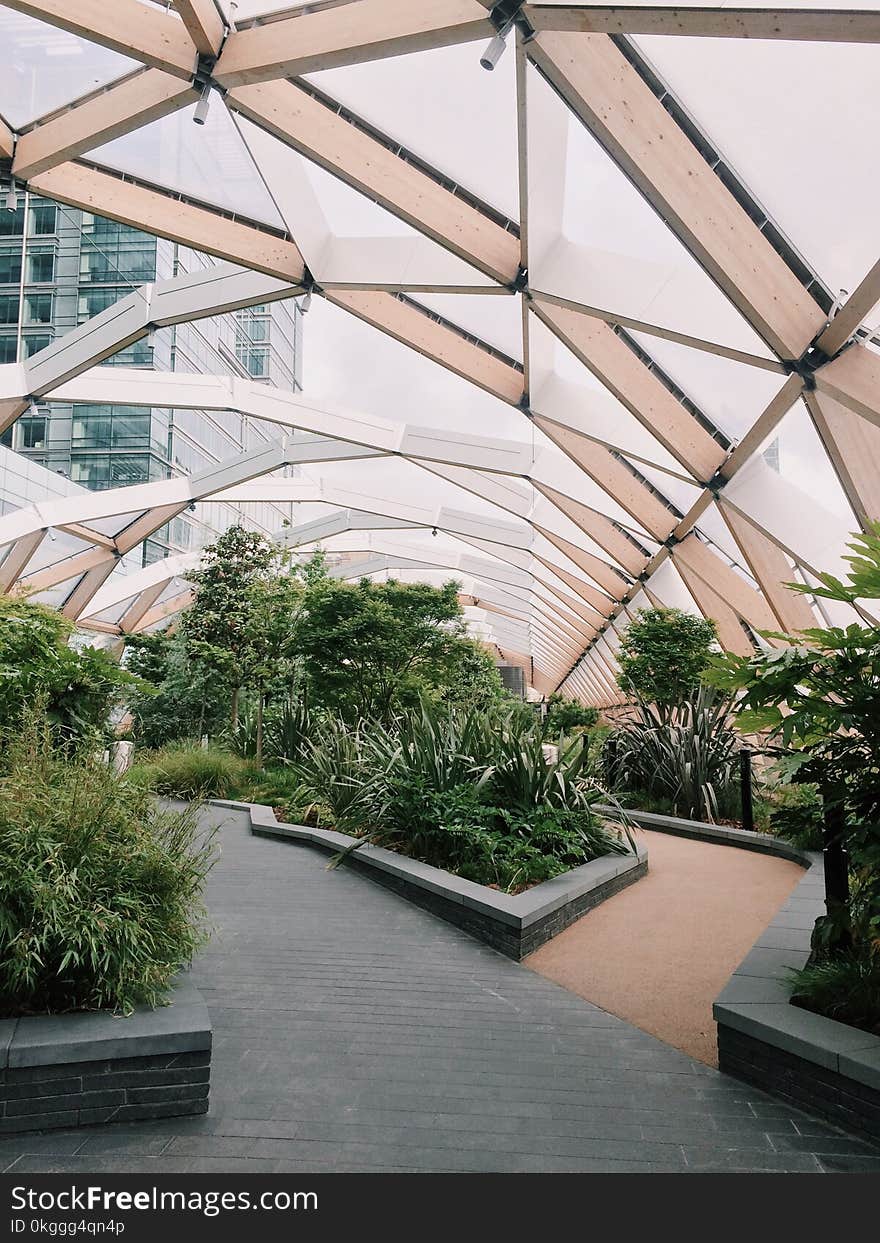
(457, 830)
(662, 655)
(280, 787)
(796, 815)
(192, 772)
(566, 715)
(78, 689)
(689, 757)
(179, 699)
(845, 987)
(100, 891)
(286, 728)
(464, 790)
(340, 774)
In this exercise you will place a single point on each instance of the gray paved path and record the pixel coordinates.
(355, 1032)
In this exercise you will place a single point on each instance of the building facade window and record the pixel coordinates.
(41, 265)
(8, 349)
(44, 219)
(111, 427)
(10, 266)
(34, 342)
(38, 308)
(114, 470)
(12, 222)
(8, 308)
(32, 433)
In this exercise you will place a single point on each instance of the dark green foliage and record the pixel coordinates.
(468, 791)
(474, 680)
(220, 626)
(566, 715)
(100, 891)
(191, 772)
(796, 815)
(689, 755)
(662, 655)
(181, 698)
(846, 988)
(371, 650)
(819, 701)
(78, 689)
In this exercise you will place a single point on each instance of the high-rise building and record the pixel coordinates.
(58, 268)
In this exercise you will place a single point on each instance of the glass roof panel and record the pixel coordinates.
(57, 546)
(56, 596)
(731, 394)
(207, 162)
(495, 319)
(776, 110)
(571, 393)
(594, 239)
(114, 524)
(45, 68)
(388, 380)
(799, 456)
(442, 106)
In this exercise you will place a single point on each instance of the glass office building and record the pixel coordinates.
(58, 268)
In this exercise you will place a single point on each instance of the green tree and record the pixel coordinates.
(473, 677)
(662, 655)
(181, 697)
(220, 626)
(370, 649)
(80, 688)
(272, 657)
(566, 715)
(818, 698)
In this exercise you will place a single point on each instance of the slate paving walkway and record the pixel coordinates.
(355, 1032)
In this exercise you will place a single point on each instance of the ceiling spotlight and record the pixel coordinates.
(494, 51)
(306, 302)
(200, 115)
(434, 531)
(11, 200)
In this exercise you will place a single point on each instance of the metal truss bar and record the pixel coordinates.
(657, 330)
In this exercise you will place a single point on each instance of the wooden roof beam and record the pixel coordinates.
(348, 35)
(607, 94)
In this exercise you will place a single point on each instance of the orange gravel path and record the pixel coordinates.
(659, 953)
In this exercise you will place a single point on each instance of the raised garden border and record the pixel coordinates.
(516, 926)
(73, 1070)
(810, 1061)
(814, 1062)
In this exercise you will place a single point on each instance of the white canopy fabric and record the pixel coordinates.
(560, 311)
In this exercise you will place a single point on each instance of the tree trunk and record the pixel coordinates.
(259, 749)
(235, 707)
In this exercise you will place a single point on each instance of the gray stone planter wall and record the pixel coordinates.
(514, 925)
(829, 1068)
(71, 1070)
